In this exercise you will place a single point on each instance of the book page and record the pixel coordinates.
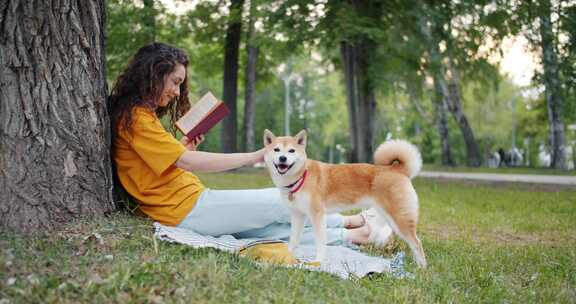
(198, 111)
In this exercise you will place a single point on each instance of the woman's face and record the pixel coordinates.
(172, 84)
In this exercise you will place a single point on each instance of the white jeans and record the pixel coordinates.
(253, 213)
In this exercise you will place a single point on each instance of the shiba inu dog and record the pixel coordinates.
(312, 188)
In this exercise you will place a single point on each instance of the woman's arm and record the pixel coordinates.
(199, 161)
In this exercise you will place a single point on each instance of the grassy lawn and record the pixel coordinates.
(520, 170)
(483, 245)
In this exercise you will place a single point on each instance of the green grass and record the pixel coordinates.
(483, 245)
(521, 170)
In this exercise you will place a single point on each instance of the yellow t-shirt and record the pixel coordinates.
(145, 164)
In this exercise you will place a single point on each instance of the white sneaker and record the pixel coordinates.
(380, 231)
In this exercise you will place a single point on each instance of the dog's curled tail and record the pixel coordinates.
(408, 156)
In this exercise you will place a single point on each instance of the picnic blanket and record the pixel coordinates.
(343, 262)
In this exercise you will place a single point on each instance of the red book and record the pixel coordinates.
(207, 112)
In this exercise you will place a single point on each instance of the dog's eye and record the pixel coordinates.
(276, 150)
(291, 151)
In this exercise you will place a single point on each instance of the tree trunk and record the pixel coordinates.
(347, 55)
(366, 101)
(357, 52)
(250, 83)
(473, 157)
(361, 99)
(440, 96)
(553, 92)
(231, 50)
(440, 89)
(54, 160)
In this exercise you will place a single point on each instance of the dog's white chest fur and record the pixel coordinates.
(300, 201)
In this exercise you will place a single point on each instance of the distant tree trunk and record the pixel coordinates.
(250, 83)
(357, 54)
(361, 101)
(231, 50)
(440, 89)
(149, 20)
(473, 157)
(366, 102)
(54, 160)
(440, 105)
(553, 92)
(347, 55)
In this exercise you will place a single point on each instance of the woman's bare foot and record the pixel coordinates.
(354, 221)
(359, 236)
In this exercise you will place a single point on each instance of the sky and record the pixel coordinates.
(516, 61)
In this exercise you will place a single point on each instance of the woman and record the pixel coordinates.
(156, 169)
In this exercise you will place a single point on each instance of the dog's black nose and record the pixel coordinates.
(282, 159)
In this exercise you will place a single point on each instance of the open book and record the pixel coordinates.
(207, 112)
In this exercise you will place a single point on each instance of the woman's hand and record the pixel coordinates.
(259, 156)
(192, 145)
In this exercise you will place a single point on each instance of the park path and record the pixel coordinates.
(509, 178)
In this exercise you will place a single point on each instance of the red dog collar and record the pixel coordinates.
(298, 183)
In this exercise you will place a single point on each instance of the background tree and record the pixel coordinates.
(553, 91)
(429, 26)
(55, 164)
(543, 22)
(252, 50)
(468, 37)
(355, 28)
(230, 88)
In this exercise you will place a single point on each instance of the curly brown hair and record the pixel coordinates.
(142, 83)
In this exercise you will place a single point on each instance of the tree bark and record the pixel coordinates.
(552, 89)
(473, 157)
(55, 140)
(231, 51)
(440, 91)
(360, 98)
(347, 55)
(440, 105)
(357, 53)
(366, 101)
(250, 83)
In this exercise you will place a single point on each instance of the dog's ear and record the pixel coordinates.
(268, 137)
(301, 137)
